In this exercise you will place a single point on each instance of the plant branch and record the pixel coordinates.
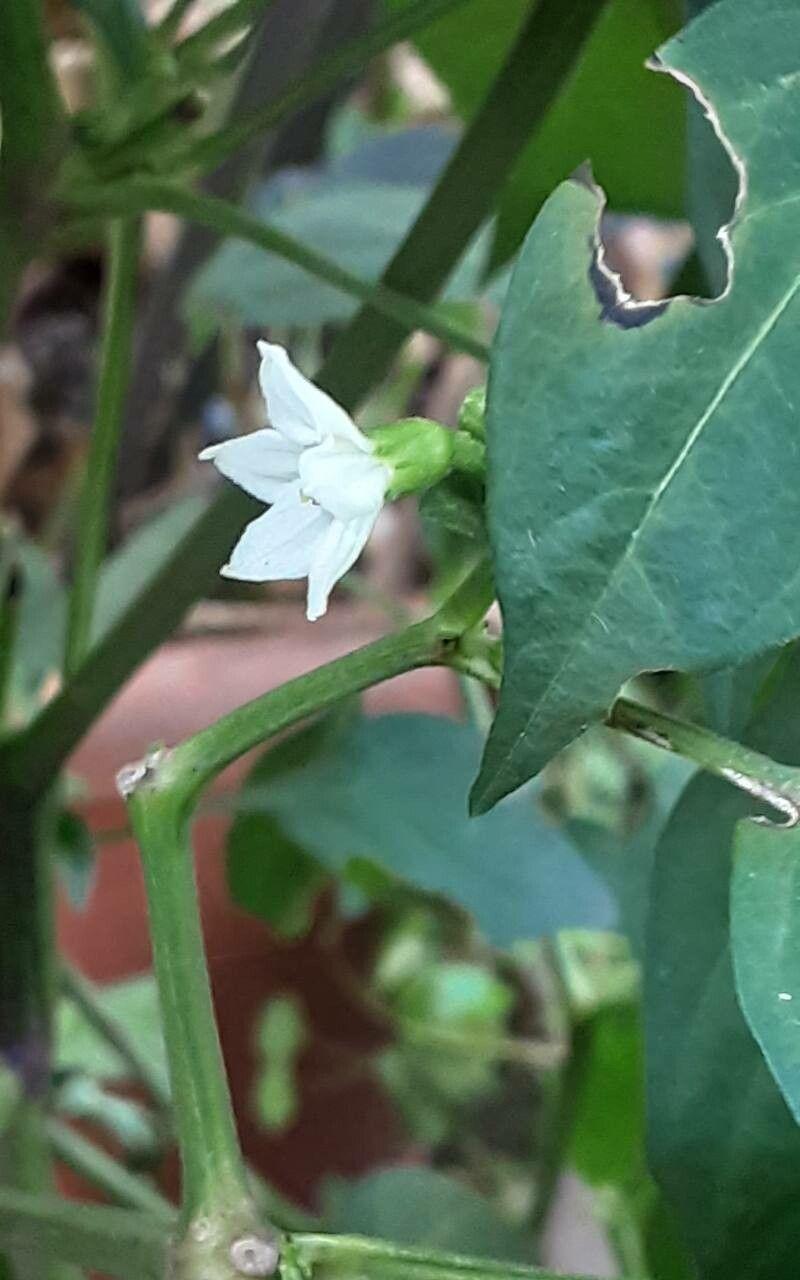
(134, 1247)
(119, 1184)
(143, 194)
(119, 310)
(774, 784)
(161, 791)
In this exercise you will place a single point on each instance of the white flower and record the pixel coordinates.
(318, 472)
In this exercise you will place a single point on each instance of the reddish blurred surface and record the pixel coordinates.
(347, 1124)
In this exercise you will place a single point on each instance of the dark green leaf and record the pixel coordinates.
(722, 1141)
(393, 790)
(600, 114)
(607, 1146)
(630, 467)
(423, 1207)
(271, 876)
(765, 931)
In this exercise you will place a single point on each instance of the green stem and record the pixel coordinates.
(208, 152)
(526, 86)
(98, 1168)
(134, 1247)
(119, 311)
(214, 1179)
(775, 784)
(143, 194)
(337, 1257)
(86, 997)
(161, 791)
(193, 764)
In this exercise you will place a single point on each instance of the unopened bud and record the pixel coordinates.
(418, 452)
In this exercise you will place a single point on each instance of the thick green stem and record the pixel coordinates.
(119, 311)
(161, 791)
(143, 194)
(213, 1174)
(776, 785)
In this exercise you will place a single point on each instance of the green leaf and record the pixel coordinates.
(607, 1144)
(423, 1207)
(722, 1142)
(40, 639)
(271, 876)
(630, 467)
(73, 849)
(79, 1048)
(599, 114)
(357, 224)
(765, 930)
(392, 790)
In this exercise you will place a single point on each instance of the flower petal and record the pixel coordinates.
(261, 462)
(335, 553)
(280, 544)
(298, 409)
(343, 480)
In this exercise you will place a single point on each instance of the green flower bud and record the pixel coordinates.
(472, 414)
(418, 452)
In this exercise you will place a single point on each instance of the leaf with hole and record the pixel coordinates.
(634, 449)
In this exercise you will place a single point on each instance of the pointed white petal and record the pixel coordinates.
(335, 553)
(261, 463)
(280, 544)
(343, 480)
(298, 409)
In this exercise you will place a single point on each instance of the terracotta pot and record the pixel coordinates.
(346, 1123)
